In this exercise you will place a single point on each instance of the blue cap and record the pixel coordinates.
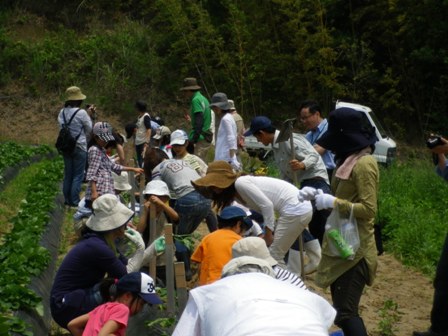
(258, 123)
(141, 284)
(234, 212)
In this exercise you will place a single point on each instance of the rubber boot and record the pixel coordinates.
(353, 326)
(313, 252)
(294, 264)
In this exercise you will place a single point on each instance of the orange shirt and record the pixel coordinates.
(214, 251)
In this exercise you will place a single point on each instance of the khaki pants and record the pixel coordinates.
(287, 230)
(201, 149)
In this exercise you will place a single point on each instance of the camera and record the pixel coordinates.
(434, 141)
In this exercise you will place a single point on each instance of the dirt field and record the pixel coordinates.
(34, 120)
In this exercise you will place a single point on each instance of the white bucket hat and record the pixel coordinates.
(121, 182)
(253, 247)
(108, 214)
(235, 264)
(157, 187)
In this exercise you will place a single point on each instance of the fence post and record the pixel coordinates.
(152, 237)
(169, 257)
(181, 286)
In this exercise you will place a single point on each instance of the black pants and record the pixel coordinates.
(439, 313)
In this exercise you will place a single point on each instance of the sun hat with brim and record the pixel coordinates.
(157, 187)
(141, 284)
(253, 247)
(234, 212)
(219, 174)
(103, 130)
(220, 100)
(236, 263)
(178, 137)
(161, 132)
(121, 182)
(348, 131)
(232, 105)
(258, 123)
(74, 93)
(108, 214)
(190, 83)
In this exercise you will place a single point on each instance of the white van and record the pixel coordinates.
(385, 147)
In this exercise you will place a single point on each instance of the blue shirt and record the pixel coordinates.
(81, 125)
(312, 137)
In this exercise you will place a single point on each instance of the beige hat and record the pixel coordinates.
(161, 132)
(253, 247)
(234, 264)
(157, 187)
(232, 105)
(108, 214)
(74, 93)
(121, 182)
(190, 83)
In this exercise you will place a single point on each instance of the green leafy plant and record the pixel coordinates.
(390, 316)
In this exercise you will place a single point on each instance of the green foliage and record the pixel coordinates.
(390, 316)
(21, 256)
(412, 210)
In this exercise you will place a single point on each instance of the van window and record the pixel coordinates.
(378, 125)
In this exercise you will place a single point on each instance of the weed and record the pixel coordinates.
(390, 315)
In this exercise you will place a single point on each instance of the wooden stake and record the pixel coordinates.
(181, 286)
(169, 256)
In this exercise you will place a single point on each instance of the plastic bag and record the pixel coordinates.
(342, 235)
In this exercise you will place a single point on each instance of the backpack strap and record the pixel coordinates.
(71, 118)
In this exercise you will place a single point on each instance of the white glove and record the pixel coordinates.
(324, 201)
(235, 164)
(307, 194)
(135, 262)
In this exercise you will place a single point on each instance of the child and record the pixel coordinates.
(99, 172)
(215, 249)
(179, 143)
(133, 290)
(162, 140)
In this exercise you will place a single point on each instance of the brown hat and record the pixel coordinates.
(74, 93)
(219, 174)
(190, 83)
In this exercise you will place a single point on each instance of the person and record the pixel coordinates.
(162, 140)
(121, 184)
(131, 293)
(99, 171)
(179, 144)
(239, 126)
(226, 140)
(201, 134)
(309, 171)
(80, 127)
(77, 287)
(215, 249)
(144, 126)
(310, 114)
(439, 312)
(248, 300)
(355, 186)
(256, 247)
(116, 144)
(264, 194)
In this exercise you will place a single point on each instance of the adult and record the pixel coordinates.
(309, 171)
(226, 140)
(264, 194)
(248, 300)
(310, 114)
(201, 134)
(355, 186)
(144, 126)
(77, 286)
(80, 128)
(439, 312)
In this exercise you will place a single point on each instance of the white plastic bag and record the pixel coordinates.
(342, 235)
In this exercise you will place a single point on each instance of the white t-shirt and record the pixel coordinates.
(268, 195)
(254, 304)
(226, 138)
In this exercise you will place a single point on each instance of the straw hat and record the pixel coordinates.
(108, 214)
(219, 174)
(121, 182)
(190, 83)
(74, 93)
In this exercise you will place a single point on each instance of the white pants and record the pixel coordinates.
(287, 230)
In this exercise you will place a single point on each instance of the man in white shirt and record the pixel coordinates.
(248, 300)
(226, 140)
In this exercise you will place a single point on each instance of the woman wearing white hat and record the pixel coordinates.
(77, 286)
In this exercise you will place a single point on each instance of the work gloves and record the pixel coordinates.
(306, 194)
(322, 200)
(135, 262)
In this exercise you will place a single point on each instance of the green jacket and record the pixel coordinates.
(361, 190)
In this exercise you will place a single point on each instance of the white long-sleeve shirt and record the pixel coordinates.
(226, 138)
(267, 195)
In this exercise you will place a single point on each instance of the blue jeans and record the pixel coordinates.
(74, 166)
(192, 209)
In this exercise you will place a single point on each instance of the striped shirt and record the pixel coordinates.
(287, 276)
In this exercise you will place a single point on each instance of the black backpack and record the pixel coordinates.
(66, 143)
